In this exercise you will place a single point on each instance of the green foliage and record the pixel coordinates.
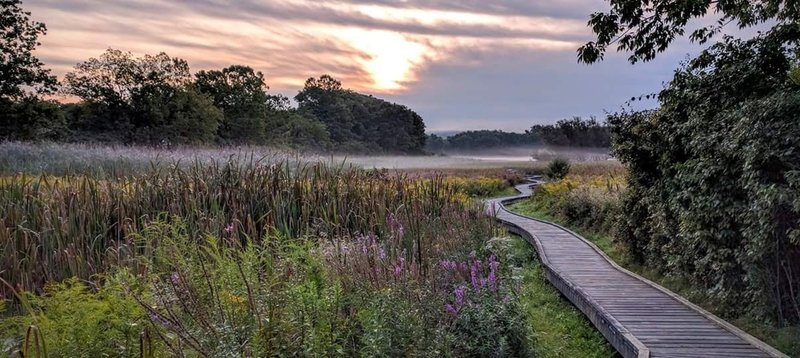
(591, 205)
(31, 119)
(239, 91)
(226, 296)
(358, 122)
(258, 198)
(647, 28)
(557, 169)
(74, 321)
(713, 177)
(492, 325)
(175, 116)
(19, 68)
(574, 132)
(288, 128)
(117, 76)
(392, 329)
(217, 298)
(473, 140)
(142, 99)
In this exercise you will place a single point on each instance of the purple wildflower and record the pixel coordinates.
(448, 265)
(460, 293)
(175, 278)
(382, 254)
(395, 226)
(229, 228)
(398, 268)
(493, 265)
(455, 307)
(473, 277)
(451, 310)
(474, 272)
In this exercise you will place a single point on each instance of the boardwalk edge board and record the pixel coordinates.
(624, 341)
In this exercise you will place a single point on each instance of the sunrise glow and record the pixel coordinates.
(389, 58)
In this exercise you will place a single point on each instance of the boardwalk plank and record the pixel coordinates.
(639, 318)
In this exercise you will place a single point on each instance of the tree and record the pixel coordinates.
(323, 99)
(144, 99)
(646, 28)
(31, 119)
(170, 115)
(19, 68)
(713, 188)
(240, 92)
(289, 128)
(115, 76)
(576, 132)
(358, 122)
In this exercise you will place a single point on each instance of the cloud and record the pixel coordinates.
(460, 63)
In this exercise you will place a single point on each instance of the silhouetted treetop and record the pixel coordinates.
(19, 68)
(645, 28)
(116, 75)
(359, 122)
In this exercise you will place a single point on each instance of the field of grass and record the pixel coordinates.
(588, 205)
(143, 252)
(114, 161)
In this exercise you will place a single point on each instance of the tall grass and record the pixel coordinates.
(115, 161)
(252, 259)
(59, 227)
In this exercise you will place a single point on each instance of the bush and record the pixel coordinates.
(74, 321)
(589, 203)
(557, 169)
(714, 177)
(31, 119)
(490, 325)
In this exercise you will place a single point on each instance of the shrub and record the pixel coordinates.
(590, 203)
(557, 169)
(74, 321)
(714, 177)
(490, 325)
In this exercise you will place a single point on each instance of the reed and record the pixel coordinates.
(76, 226)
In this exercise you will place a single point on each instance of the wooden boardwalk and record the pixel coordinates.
(638, 317)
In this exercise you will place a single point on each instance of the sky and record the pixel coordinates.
(460, 64)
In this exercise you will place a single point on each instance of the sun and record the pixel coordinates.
(389, 59)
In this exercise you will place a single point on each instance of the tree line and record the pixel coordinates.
(571, 132)
(156, 100)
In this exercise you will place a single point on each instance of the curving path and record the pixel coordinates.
(638, 317)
